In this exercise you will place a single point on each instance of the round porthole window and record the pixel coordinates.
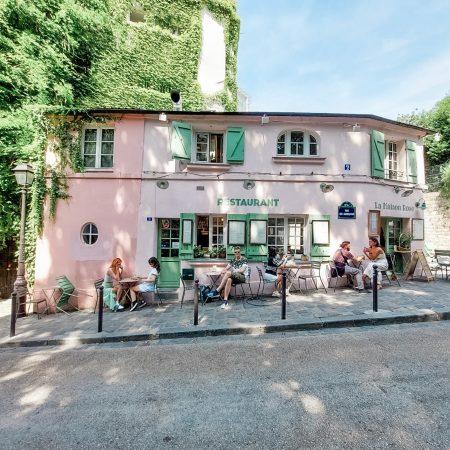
(89, 233)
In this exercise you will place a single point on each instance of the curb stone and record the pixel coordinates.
(387, 318)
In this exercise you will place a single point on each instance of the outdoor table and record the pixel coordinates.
(50, 294)
(214, 277)
(292, 270)
(126, 284)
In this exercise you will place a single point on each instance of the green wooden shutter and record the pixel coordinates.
(377, 148)
(181, 140)
(319, 252)
(235, 145)
(411, 161)
(230, 247)
(187, 250)
(256, 252)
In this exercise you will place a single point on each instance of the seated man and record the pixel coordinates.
(236, 272)
(342, 259)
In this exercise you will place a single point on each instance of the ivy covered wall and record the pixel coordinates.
(59, 56)
(148, 59)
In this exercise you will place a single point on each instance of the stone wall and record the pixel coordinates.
(437, 221)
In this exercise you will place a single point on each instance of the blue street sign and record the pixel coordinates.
(347, 167)
(346, 211)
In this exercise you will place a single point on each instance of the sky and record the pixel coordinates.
(383, 57)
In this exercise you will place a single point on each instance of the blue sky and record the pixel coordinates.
(384, 57)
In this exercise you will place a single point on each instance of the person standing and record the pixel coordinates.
(376, 256)
(235, 272)
(345, 262)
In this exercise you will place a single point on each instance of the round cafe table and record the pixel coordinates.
(126, 284)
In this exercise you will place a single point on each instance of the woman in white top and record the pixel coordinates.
(376, 256)
(147, 285)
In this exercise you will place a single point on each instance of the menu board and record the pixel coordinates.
(417, 230)
(236, 232)
(258, 232)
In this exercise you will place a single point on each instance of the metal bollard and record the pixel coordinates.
(375, 288)
(283, 297)
(100, 310)
(12, 329)
(196, 303)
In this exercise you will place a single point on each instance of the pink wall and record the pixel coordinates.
(110, 199)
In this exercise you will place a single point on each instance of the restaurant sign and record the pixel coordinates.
(225, 201)
(346, 211)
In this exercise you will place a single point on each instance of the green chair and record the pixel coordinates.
(68, 291)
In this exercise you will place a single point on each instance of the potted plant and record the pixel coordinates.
(221, 251)
(198, 251)
(213, 252)
(404, 241)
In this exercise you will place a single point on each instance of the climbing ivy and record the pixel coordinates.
(60, 57)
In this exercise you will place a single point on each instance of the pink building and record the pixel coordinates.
(169, 185)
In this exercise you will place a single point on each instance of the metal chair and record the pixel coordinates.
(247, 283)
(186, 287)
(97, 284)
(389, 273)
(333, 273)
(68, 291)
(314, 274)
(263, 282)
(31, 300)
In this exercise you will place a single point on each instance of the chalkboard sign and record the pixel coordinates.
(346, 211)
(416, 257)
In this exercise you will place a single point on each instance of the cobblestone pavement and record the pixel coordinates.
(413, 300)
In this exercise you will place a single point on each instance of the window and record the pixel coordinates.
(392, 171)
(137, 14)
(98, 148)
(170, 238)
(284, 232)
(210, 232)
(89, 233)
(209, 147)
(297, 143)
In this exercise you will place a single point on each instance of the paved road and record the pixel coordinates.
(364, 388)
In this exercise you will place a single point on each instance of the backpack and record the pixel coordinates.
(204, 291)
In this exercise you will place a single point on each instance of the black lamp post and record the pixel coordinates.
(24, 177)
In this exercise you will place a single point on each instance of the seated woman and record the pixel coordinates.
(377, 257)
(273, 271)
(111, 288)
(147, 285)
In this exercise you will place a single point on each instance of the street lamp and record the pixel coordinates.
(24, 177)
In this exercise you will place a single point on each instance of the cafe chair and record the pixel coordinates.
(313, 275)
(188, 284)
(67, 292)
(246, 283)
(390, 274)
(334, 274)
(32, 300)
(263, 283)
(97, 284)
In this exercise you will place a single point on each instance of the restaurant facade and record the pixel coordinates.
(188, 186)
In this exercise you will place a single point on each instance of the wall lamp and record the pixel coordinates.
(405, 193)
(326, 187)
(249, 184)
(421, 204)
(356, 128)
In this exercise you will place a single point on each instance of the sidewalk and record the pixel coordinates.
(413, 301)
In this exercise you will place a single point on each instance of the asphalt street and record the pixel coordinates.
(369, 387)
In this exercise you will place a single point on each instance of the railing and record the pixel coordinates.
(394, 175)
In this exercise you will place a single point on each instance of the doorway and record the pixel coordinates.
(390, 232)
(169, 252)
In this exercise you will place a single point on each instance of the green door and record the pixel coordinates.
(168, 252)
(393, 229)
